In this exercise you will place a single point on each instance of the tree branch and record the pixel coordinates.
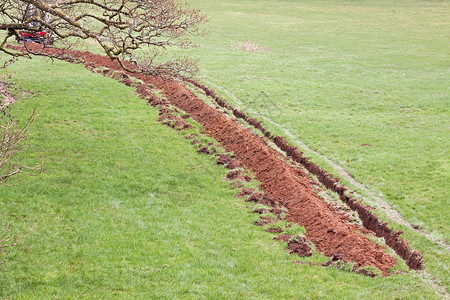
(121, 28)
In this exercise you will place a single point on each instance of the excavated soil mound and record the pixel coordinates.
(325, 227)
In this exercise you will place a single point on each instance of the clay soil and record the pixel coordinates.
(327, 228)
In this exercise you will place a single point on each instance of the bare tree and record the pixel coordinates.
(121, 27)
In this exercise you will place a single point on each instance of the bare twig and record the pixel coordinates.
(13, 140)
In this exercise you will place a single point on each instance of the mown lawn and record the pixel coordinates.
(126, 208)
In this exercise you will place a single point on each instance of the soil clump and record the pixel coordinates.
(299, 246)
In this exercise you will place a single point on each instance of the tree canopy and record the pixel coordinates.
(122, 28)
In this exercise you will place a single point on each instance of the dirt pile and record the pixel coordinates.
(331, 234)
(324, 226)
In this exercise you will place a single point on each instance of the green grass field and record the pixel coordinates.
(338, 75)
(127, 208)
(341, 74)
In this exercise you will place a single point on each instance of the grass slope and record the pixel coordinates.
(127, 208)
(340, 74)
